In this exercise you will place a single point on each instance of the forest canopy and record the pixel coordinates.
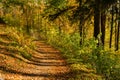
(87, 32)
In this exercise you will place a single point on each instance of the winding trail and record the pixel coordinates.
(45, 64)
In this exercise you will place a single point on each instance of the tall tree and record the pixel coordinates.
(111, 30)
(103, 21)
(118, 29)
(80, 25)
(97, 18)
(83, 11)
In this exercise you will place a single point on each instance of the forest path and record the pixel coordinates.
(45, 64)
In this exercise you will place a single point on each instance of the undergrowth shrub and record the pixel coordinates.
(104, 62)
(19, 41)
(100, 61)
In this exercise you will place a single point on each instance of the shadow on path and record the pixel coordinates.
(8, 70)
(44, 60)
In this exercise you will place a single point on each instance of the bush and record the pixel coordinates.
(95, 58)
(16, 40)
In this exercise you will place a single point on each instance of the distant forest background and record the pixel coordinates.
(87, 32)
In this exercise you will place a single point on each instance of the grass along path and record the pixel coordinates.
(45, 64)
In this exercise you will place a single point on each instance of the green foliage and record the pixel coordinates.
(24, 52)
(105, 62)
(57, 3)
(15, 2)
(87, 57)
(17, 42)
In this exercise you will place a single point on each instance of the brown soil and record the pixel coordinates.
(46, 64)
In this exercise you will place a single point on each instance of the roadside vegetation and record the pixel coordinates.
(87, 32)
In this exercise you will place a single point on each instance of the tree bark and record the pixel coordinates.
(80, 26)
(97, 26)
(97, 19)
(103, 21)
(118, 31)
(118, 35)
(111, 30)
(81, 32)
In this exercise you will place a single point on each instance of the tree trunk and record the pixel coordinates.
(103, 21)
(97, 26)
(81, 32)
(97, 19)
(111, 30)
(118, 31)
(118, 36)
(80, 26)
